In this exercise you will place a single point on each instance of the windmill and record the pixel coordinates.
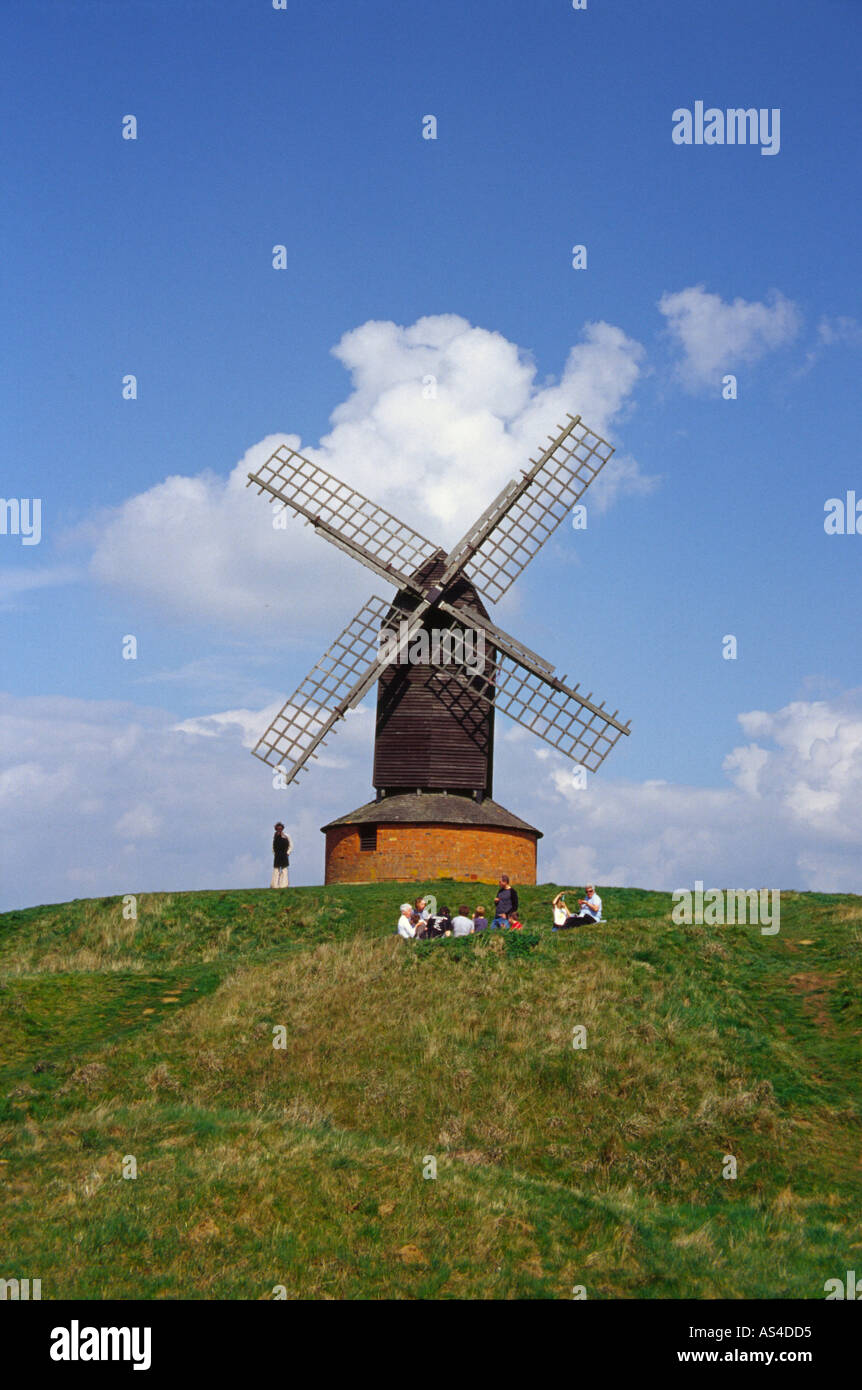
(434, 815)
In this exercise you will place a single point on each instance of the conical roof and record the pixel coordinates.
(433, 808)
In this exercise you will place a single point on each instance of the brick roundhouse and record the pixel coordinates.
(425, 835)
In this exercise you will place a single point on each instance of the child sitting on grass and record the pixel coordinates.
(480, 921)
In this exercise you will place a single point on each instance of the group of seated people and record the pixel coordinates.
(420, 922)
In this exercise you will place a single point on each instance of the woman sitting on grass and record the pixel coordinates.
(561, 910)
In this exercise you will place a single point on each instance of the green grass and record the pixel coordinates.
(302, 1166)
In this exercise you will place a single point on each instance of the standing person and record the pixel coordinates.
(590, 910)
(505, 903)
(282, 846)
(462, 925)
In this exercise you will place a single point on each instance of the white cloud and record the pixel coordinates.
(204, 547)
(716, 337)
(127, 800)
(837, 331)
(131, 801)
(814, 774)
(745, 765)
(14, 582)
(244, 724)
(621, 477)
(791, 818)
(139, 822)
(841, 329)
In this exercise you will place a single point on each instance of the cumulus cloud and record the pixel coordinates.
(132, 801)
(204, 548)
(716, 336)
(129, 800)
(813, 776)
(439, 416)
(790, 818)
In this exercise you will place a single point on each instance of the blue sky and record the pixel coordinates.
(303, 127)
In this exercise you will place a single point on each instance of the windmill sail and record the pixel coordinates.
(568, 721)
(515, 527)
(335, 683)
(346, 517)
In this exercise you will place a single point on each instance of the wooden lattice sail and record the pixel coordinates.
(435, 722)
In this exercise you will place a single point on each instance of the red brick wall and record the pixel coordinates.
(421, 852)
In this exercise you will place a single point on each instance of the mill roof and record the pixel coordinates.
(424, 808)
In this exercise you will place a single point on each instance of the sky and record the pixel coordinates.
(406, 258)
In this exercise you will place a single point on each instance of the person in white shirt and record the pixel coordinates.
(462, 925)
(590, 910)
(405, 925)
(591, 905)
(561, 911)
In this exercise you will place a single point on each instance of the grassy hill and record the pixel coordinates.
(303, 1166)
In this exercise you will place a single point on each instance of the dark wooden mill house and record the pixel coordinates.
(434, 815)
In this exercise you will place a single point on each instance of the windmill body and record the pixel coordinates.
(432, 734)
(433, 815)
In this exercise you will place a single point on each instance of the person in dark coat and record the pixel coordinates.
(439, 924)
(505, 903)
(281, 848)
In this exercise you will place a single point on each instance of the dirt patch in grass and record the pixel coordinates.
(815, 990)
